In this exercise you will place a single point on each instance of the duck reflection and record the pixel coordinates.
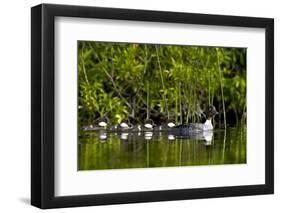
(208, 137)
(170, 136)
(205, 136)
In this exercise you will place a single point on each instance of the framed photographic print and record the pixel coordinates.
(139, 106)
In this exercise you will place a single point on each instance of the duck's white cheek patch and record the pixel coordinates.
(148, 126)
(171, 125)
(103, 124)
(124, 125)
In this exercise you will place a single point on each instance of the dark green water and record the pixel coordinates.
(104, 150)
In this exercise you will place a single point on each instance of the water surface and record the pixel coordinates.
(108, 150)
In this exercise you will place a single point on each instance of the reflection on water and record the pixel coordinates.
(117, 150)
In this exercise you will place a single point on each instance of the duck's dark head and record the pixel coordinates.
(212, 112)
(149, 121)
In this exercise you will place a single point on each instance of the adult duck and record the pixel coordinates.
(191, 128)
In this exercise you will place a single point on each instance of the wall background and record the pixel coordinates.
(15, 105)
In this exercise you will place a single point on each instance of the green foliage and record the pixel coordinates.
(139, 81)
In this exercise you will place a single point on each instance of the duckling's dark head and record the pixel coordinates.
(149, 121)
(212, 112)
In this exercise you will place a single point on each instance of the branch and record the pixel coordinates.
(116, 89)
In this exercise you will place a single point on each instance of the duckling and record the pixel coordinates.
(98, 125)
(171, 124)
(125, 125)
(102, 123)
(148, 125)
(187, 129)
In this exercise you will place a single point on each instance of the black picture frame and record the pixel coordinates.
(43, 102)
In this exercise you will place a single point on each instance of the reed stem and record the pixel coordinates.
(221, 86)
(162, 81)
(176, 105)
(147, 101)
(180, 102)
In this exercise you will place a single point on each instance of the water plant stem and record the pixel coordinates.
(176, 105)
(221, 86)
(209, 90)
(163, 85)
(147, 101)
(180, 102)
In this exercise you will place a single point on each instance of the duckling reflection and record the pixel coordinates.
(103, 137)
(124, 136)
(129, 137)
(171, 137)
(148, 135)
